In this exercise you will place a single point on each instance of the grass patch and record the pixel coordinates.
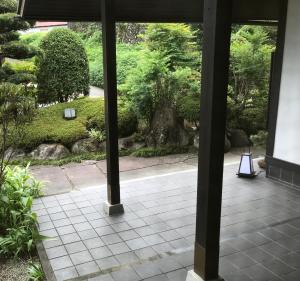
(49, 126)
(148, 152)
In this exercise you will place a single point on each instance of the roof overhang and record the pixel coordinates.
(244, 11)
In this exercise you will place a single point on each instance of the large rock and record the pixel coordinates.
(239, 138)
(87, 145)
(227, 144)
(14, 154)
(130, 143)
(167, 129)
(50, 151)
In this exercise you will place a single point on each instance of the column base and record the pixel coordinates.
(192, 276)
(113, 209)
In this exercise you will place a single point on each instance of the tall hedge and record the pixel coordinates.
(63, 71)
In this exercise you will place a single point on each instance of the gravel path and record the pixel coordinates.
(13, 270)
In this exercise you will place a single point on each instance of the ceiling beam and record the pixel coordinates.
(244, 11)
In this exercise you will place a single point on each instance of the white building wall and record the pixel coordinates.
(287, 140)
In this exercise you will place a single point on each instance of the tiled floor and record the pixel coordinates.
(153, 240)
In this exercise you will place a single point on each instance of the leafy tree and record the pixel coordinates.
(249, 78)
(166, 72)
(16, 109)
(10, 46)
(63, 71)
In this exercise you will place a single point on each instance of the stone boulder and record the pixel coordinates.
(130, 143)
(87, 145)
(239, 138)
(167, 129)
(50, 151)
(14, 154)
(227, 145)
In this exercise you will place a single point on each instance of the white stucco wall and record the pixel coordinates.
(287, 140)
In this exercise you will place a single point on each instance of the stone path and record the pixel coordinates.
(58, 180)
(96, 92)
(153, 240)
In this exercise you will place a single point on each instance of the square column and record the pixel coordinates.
(215, 68)
(113, 204)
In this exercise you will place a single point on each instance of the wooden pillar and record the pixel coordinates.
(112, 206)
(215, 67)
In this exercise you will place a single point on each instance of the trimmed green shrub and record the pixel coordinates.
(21, 78)
(18, 233)
(49, 126)
(18, 50)
(21, 66)
(63, 71)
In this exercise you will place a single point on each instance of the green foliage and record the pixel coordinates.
(35, 272)
(8, 6)
(249, 78)
(18, 50)
(148, 152)
(260, 139)
(17, 221)
(175, 41)
(49, 126)
(33, 39)
(21, 67)
(97, 135)
(21, 78)
(10, 46)
(63, 71)
(16, 109)
(159, 77)
(10, 22)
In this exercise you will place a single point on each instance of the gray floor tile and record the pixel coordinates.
(100, 253)
(127, 274)
(147, 269)
(105, 277)
(81, 257)
(111, 239)
(119, 248)
(61, 262)
(56, 252)
(108, 263)
(136, 244)
(65, 274)
(93, 243)
(87, 268)
(127, 258)
(75, 247)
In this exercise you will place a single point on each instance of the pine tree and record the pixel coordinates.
(10, 45)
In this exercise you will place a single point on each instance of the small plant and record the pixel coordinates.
(18, 233)
(97, 135)
(35, 272)
(260, 139)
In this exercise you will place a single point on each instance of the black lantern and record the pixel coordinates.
(69, 113)
(246, 169)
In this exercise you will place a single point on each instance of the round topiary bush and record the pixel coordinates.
(63, 71)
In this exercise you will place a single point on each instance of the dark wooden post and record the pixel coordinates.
(215, 67)
(113, 205)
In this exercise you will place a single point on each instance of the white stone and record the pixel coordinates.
(113, 209)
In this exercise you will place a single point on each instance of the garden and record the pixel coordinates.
(158, 75)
